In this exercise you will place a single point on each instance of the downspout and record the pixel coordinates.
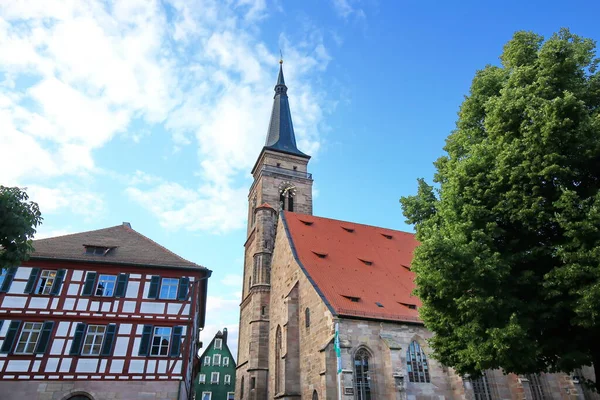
(192, 339)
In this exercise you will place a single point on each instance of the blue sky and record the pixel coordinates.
(154, 112)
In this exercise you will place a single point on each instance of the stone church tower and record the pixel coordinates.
(281, 181)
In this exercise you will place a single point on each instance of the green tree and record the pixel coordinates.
(18, 220)
(509, 263)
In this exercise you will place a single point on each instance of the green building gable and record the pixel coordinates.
(216, 380)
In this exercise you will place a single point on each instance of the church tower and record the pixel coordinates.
(281, 182)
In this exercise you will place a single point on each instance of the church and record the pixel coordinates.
(327, 310)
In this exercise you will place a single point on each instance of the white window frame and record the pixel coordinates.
(216, 359)
(29, 337)
(94, 339)
(212, 378)
(108, 280)
(227, 380)
(171, 285)
(45, 282)
(226, 361)
(218, 344)
(231, 395)
(207, 361)
(202, 378)
(160, 346)
(209, 395)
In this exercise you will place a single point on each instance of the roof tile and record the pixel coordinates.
(342, 274)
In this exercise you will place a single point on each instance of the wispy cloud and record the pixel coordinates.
(345, 9)
(75, 75)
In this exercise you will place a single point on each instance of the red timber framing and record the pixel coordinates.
(130, 313)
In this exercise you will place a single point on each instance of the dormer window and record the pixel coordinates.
(353, 299)
(97, 250)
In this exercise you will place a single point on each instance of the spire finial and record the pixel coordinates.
(281, 58)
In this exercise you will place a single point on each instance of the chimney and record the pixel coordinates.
(127, 224)
(225, 335)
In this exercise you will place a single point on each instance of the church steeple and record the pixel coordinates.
(280, 136)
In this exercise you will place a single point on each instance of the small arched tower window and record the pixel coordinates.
(242, 388)
(286, 196)
(315, 395)
(307, 317)
(361, 375)
(278, 343)
(417, 366)
(253, 211)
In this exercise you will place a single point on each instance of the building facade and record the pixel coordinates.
(105, 314)
(216, 380)
(309, 280)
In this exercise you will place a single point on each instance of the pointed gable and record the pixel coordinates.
(359, 270)
(121, 244)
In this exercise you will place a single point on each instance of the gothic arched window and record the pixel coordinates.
(481, 387)
(278, 343)
(242, 388)
(307, 317)
(253, 211)
(361, 375)
(315, 396)
(417, 366)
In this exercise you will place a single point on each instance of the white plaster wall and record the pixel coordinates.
(57, 346)
(116, 367)
(39, 303)
(137, 366)
(63, 329)
(132, 289)
(18, 365)
(128, 306)
(87, 365)
(152, 308)
(14, 302)
(121, 346)
(82, 304)
(69, 304)
(23, 273)
(52, 364)
(73, 289)
(17, 287)
(77, 275)
(66, 365)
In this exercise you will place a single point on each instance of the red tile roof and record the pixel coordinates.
(127, 247)
(345, 260)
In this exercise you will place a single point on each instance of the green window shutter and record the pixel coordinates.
(78, 339)
(90, 282)
(154, 282)
(10, 274)
(182, 290)
(109, 340)
(60, 276)
(42, 343)
(11, 335)
(176, 341)
(122, 280)
(145, 343)
(35, 272)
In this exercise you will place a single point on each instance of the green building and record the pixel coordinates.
(216, 380)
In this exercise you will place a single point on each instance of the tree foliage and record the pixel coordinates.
(509, 263)
(18, 220)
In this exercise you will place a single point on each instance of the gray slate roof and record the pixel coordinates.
(280, 136)
(130, 247)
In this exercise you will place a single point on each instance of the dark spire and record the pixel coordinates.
(280, 136)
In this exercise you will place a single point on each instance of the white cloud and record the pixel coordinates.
(78, 202)
(78, 74)
(345, 9)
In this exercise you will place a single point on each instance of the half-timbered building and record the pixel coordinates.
(105, 314)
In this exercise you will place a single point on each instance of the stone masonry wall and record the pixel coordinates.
(286, 276)
(97, 390)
